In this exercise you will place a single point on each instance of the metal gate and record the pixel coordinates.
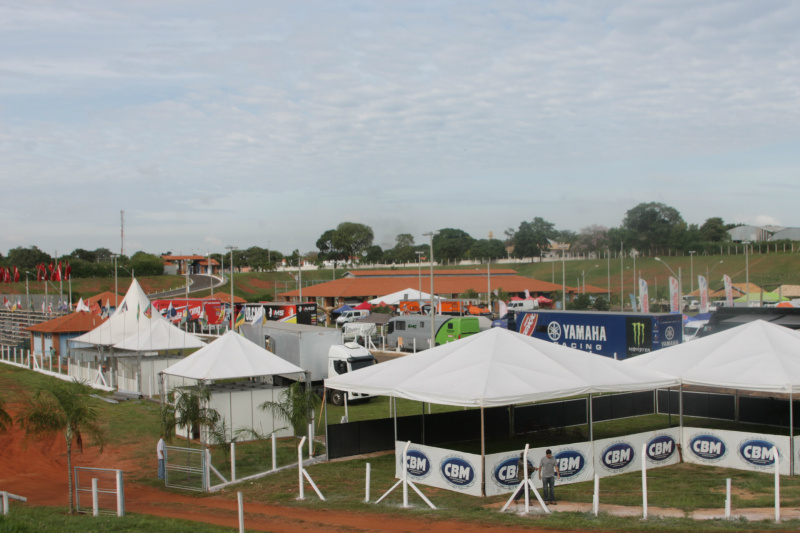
(110, 490)
(185, 468)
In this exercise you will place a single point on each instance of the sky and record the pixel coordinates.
(264, 123)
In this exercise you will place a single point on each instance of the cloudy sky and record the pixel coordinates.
(248, 123)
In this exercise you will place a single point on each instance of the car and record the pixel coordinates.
(694, 305)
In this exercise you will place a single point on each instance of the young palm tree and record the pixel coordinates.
(5, 418)
(63, 407)
(296, 406)
(192, 411)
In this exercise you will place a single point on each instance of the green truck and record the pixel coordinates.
(413, 332)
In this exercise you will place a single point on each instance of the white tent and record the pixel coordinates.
(231, 357)
(399, 296)
(158, 335)
(498, 367)
(758, 356)
(126, 320)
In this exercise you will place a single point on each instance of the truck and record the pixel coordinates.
(617, 335)
(214, 312)
(317, 350)
(414, 331)
(300, 313)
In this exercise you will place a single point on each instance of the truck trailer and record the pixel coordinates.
(414, 331)
(617, 335)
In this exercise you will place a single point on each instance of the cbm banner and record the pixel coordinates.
(437, 467)
(624, 454)
(735, 449)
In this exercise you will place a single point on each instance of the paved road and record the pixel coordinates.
(197, 283)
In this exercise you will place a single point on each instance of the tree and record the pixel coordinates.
(352, 239)
(714, 230)
(145, 264)
(296, 405)
(5, 418)
(403, 251)
(592, 238)
(63, 407)
(487, 248)
(532, 238)
(27, 258)
(580, 303)
(192, 411)
(653, 226)
(327, 250)
(451, 245)
(374, 254)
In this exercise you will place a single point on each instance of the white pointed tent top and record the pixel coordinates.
(497, 367)
(123, 322)
(399, 296)
(231, 357)
(758, 356)
(159, 334)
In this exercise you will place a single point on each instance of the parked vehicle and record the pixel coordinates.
(351, 316)
(312, 349)
(523, 305)
(692, 328)
(617, 335)
(304, 313)
(414, 332)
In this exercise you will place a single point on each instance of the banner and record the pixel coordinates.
(574, 463)
(735, 449)
(633, 302)
(437, 467)
(624, 454)
(644, 298)
(728, 291)
(674, 296)
(702, 286)
(797, 456)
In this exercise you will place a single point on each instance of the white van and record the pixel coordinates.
(351, 316)
(523, 305)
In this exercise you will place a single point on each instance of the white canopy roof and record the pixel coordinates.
(399, 296)
(231, 357)
(755, 356)
(158, 333)
(497, 367)
(126, 320)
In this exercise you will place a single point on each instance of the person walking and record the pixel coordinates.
(160, 454)
(521, 476)
(548, 468)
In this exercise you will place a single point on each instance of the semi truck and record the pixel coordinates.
(617, 335)
(317, 350)
(411, 332)
(303, 313)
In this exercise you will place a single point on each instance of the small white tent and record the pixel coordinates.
(497, 367)
(126, 320)
(399, 296)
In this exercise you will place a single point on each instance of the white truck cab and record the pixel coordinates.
(343, 358)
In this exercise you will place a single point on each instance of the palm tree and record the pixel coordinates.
(5, 418)
(63, 407)
(192, 411)
(296, 406)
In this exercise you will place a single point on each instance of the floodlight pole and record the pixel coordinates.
(747, 270)
(431, 234)
(419, 272)
(691, 270)
(232, 248)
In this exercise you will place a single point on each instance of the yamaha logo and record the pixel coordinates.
(617, 456)
(458, 472)
(708, 447)
(757, 452)
(554, 331)
(669, 333)
(660, 448)
(418, 464)
(570, 463)
(505, 472)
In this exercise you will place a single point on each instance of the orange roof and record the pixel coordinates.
(225, 297)
(78, 322)
(204, 261)
(410, 273)
(372, 287)
(182, 257)
(591, 289)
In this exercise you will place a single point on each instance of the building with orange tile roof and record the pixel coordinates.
(55, 333)
(197, 264)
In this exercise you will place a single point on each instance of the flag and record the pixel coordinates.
(644, 297)
(138, 311)
(67, 271)
(221, 317)
(674, 297)
(239, 319)
(50, 308)
(14, 307)
(2, 274)
(96, 309)
(81, 307)
(702, 286)
(57, 273)
(502, 308)
(5, 303)
(124, 307)
(259, 316)
(527, 294)
(19, 303)
(39, 273)
(16, 275)
(728, 290)
(43, 308)
(186, 316)
(203, 319)
(148, 312)
(107, 310)
(171, 313)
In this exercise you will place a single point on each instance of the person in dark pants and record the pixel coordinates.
(160, 454)
(521, 475)
(548, 469)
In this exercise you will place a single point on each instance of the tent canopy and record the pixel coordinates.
(399, 296)
(497, 367)
(159, 334)
(342, 309)
(231, 357)
(758, 356)
(364, 305)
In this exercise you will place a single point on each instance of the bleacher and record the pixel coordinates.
(12, 324)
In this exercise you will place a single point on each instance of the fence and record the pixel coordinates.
(185, 468)
(110, 490)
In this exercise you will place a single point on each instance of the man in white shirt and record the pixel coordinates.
(160, 453)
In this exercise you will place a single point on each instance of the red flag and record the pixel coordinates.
(57, 274)
(67, 272)
(16, 275)
(95, 309)
(2, 274)
(39, 276)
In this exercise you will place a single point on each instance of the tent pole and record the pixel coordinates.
(393, 401)
(791, 432)
(423, 422)
(325, 407)
(483, 454)
(591, 427)
(680, 408)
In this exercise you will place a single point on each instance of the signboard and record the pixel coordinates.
(624, 454)
(293, 313)
(437, 467)
(735, 449)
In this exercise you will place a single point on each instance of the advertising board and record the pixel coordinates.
(735, 449)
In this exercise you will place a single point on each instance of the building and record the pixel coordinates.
(754, 233)
(361, 285)
(55, 333)
(196, 264)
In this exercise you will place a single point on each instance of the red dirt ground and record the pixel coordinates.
(37, 470)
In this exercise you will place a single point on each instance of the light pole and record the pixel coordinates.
(419, 272)
(563, 278)
(747, 270)
(608, 256)
(431, 234)
(232, 248)
(691, 271)
(211, 270)
(680, 283)
(116, 288)
(489, 285)
(708, 272)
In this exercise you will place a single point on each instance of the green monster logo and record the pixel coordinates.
(638, 333)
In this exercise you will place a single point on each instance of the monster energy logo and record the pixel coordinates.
(638, 333)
